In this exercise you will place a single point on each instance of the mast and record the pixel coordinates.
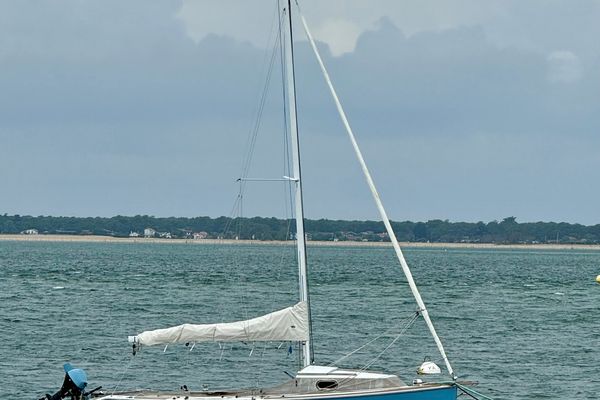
(411, 282)
(306, 347)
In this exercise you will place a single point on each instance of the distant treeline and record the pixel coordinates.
(506, 231)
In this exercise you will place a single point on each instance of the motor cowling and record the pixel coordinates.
(73, 386)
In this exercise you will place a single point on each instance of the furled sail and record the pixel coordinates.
(288, 324)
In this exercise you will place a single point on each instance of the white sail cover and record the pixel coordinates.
(288, 324)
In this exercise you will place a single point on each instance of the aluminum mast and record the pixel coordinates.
(307, 353)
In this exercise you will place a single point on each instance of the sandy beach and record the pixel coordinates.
(110, 239)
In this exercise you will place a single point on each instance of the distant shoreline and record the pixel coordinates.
(110, 239)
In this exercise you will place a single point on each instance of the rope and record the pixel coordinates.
(471, 392)
(122, 375)
(467, 390)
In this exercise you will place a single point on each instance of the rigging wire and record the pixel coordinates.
(123, 375)
(261, 364)
(236, 220)
(234, 223)
(383, 214)
(402, 331)
(237, 209)
(472, 392)
(404, 325)
(287, 186)
(251, 144)
(287, 167)
(252, 138)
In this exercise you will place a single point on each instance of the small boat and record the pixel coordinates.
(293, 324)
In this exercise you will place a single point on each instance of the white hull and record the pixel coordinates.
(316, 382)
(425, 391)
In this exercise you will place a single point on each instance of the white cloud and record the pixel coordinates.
(339, 34)
(246, 21)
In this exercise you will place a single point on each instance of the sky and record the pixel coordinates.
(465, 110)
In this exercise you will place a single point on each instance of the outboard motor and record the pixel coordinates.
(73, 386)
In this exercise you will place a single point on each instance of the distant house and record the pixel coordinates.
(134, 234)
(149, 232)
(352, 236)
(165, 235)
(30, 232)
(200, 235)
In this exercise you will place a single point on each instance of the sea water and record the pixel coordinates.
(524, 324)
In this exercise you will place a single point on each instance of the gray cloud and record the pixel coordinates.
(112, 108)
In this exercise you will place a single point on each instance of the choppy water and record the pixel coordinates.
(523, 324)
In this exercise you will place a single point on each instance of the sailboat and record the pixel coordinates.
(293, 324)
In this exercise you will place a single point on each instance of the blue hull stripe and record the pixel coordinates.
(438, 393)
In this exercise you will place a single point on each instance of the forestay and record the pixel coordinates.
(289, 324)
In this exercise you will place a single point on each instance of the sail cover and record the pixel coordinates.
(288, 324)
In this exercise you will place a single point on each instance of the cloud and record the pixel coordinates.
(340, 34)
(102, 98)
(531, 25)
(245, 21)
(564, 67)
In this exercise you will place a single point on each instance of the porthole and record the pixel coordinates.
(327, 385)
